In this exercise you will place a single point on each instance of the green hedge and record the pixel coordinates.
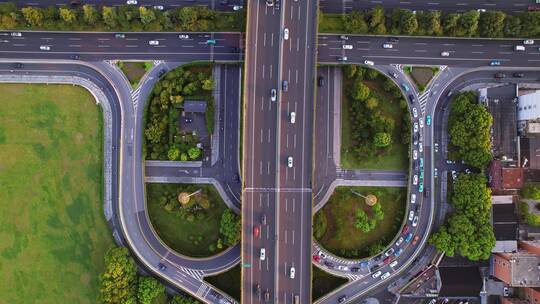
(490, 24)
(121, 18)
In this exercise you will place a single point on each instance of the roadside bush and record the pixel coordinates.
(319, 225)
(471, 23)
(121, 18)
(531, 191)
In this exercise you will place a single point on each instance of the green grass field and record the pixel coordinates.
(189, 236)
(228, 281)
(340, 217)
(396, 158)
(53, 234)
(323, 283)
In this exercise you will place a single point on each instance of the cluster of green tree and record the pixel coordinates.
(434, 23)
(230, 227)
(469, 127)
(121, 18)
(364, 222)
(164, 140)
(531, 191)
(120, 283)
(371, 129)
(468, 231)
(527, 216)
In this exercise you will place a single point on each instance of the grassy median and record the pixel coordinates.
(53, 235)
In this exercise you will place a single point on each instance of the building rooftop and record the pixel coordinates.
(529, 106)
(512, 178)
(520, 269)
(464, 282)
(502, 107)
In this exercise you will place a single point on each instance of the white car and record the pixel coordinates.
(528, 41)
(16, 34)
(347, 47)
(293, 117)
(411, 215)
(183, 36)
(153, 42)
(158, 7)
(289, 161)
(131, 2)
(273, 94)
(369, 62)
(413, 198)
(415, 221)
(387, 46)
(399, 241)
(292, 272)
(45, 47)
(415, 127)
(414, 154)
(343, 268)
(414, 112)
(421, 122)
(376, 274)
(286, 34)
(393, 264)
(237, 7)
(415, 180)
(445, 54)
(420, 147)
(385, 276)
(481, 10)
(262, 254)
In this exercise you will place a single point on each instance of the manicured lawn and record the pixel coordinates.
(189, 233)
(229, 282)
(53, 234)
(134, 70)
(331, 23)
(421, 75)
(342, 238)
(396, 158)
(323, 283)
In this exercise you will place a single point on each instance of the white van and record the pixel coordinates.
(519, 48)
(293, 117)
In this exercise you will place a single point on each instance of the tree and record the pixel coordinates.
(377, 21)
(119, 281)
(7, 22)
(492, 24)
(110, 17)
(512, 26)
(230, 227)
(194, 153)
(147, 15)
(149, 289)
(208, 84)
(184, 299)
(531, 191)
(378, 212)
(450, 24)
(173, 153)
(33, 16)
(90, 14)
(354, 23)
(372, 74)
(363, 222)
(68, 15)
(468, 23)
(350, 71)
(372, 103)
(360, 91)
(429, 23)
(382, 140)
(404, 21)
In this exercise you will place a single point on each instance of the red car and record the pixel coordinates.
(316, 258)
(256, 231)
(415, 240)
(405, 229)
(387, 260)
(533, 8)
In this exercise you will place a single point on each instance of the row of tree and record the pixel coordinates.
(468, 232)
(364, 222)
(121, 18)
(121, 284)
(469, 126)
(164, 139)
(434, 23)
(371, 127)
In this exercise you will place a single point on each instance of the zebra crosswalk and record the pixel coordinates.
(198, 274)
(422, 99)
(135, 97)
